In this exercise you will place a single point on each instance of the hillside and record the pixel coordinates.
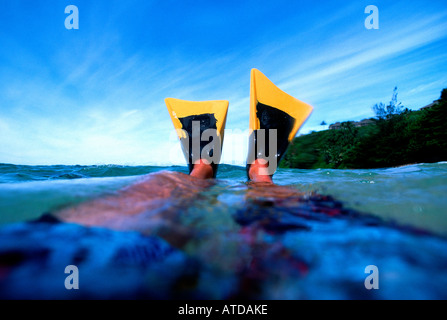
(391, 140)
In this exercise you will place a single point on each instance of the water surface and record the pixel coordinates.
(310, 237)
(413, 194)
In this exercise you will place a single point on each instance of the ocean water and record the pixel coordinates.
(412, 195)
(231, 240)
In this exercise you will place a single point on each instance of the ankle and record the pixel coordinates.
(258, 172)
(202, 170)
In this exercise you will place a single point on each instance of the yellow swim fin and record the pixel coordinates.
(200, 127)
(272, 108)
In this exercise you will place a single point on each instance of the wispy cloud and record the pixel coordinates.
(351, 73)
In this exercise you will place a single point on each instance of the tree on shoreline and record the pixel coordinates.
(383, 111)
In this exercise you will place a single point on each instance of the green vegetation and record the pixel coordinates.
(397, 136)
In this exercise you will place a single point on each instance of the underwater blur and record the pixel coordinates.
(311, 236)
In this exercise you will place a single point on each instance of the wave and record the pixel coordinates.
(10, 173)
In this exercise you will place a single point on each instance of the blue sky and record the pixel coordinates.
(96, 95)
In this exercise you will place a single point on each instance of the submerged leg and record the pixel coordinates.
(152, 205)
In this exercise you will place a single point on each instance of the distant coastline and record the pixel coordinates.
(388, 140)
